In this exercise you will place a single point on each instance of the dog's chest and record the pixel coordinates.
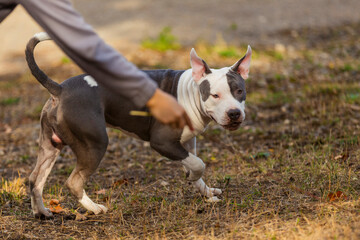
(117, 109)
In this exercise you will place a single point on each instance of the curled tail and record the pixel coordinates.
(53, 87)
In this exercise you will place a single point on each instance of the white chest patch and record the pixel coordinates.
(90, 81)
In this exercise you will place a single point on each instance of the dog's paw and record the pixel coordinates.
(44, 213)
(216, 191)
(98, 209)
(102, 208)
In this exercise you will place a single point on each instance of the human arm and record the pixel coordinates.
(80, 42)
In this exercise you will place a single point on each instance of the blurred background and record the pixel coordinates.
(125, 24)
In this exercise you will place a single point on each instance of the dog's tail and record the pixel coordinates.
(53, 87)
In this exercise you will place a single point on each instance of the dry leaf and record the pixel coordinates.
(339, 195)
(57, 209)
(120, 182)
(164, 183)
(102, 191)
(8, 129)
(80, 217)
(54, 202)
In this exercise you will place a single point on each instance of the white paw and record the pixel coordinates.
(213, 199)
(205, 190)
(91, 206)
(103, 208)
(216, 191)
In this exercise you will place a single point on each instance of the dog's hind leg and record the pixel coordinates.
(48, 152)
(89, 154)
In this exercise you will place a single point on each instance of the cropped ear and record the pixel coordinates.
(243, 65)
(199, 66)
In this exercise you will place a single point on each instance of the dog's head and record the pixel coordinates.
(222, 90)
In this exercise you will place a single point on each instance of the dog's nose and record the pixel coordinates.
(234, 114)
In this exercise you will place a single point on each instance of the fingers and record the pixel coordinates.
(181, 121)
(167, 110)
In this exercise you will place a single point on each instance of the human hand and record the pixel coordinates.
(167, 110)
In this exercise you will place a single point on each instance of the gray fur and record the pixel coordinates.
(204, 89)
(237, 85)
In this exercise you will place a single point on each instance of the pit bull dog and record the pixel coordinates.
(79, 110)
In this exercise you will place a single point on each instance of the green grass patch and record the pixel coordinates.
(277, 98)
(228, 52)
(276, 55)
(233, 26)
(65, 60)
(352, 98)
(347, 68)
(163, 42)
(10, 101)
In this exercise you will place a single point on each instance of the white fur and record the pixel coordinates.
(217, 108)
(189, 98)
(42, 36)
(91, 206)
(206, 191)
(91, 81)
(201, 113)
(195, 165)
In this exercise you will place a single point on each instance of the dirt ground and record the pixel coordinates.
(291, 172)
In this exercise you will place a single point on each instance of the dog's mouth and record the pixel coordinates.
(232, 126)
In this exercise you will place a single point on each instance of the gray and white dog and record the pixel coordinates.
(80, 109)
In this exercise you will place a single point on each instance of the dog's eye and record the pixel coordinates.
(215, 95)
(239, 91)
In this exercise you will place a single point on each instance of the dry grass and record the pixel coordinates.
(300, 143)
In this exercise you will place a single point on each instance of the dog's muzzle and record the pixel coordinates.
(235, 118)
(232, 126)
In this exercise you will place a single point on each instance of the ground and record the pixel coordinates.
(290, 172)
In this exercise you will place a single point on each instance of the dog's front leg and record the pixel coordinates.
(165, 142)
(199, 184)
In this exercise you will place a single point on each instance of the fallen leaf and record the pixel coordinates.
(80, 217)
(339, 195)
(120, 182)
(54, 202)
(102, 191)
(8, 129)
(57, 209)
(164, 183)
(355, 107)
(343, 157)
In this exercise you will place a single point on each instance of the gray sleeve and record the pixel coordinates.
(79, 41)
(6, 8)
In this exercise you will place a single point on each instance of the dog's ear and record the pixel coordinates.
(243, 65)
(199, 66)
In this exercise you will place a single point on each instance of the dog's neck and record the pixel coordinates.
(188, 95)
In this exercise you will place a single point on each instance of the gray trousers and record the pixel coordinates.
(79, 41)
